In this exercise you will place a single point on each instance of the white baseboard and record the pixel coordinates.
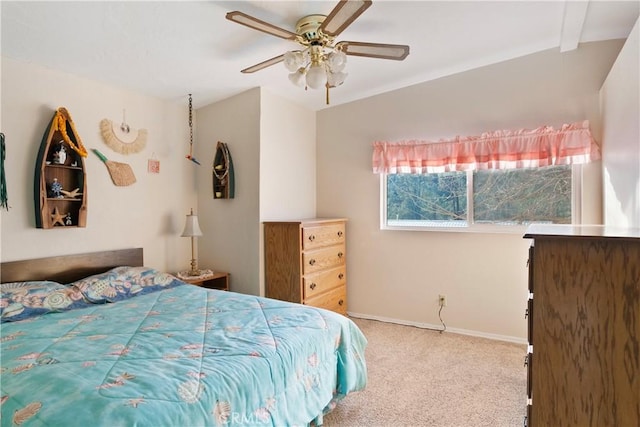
(507, 338)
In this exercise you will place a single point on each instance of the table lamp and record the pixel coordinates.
(192, 229)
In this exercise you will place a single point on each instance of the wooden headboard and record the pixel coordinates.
(69, 268)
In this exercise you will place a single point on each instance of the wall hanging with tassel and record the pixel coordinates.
(123, 139)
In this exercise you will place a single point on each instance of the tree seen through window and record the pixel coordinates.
(518, 196)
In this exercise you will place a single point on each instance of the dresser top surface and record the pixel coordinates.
(308, 221)
(580, 231)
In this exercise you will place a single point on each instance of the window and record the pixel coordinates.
(499, 180)
(480, 200)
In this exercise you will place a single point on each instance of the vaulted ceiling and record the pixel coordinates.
(171, 48)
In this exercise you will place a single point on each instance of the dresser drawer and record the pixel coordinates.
(325, 235)
(334, 300)
(317, 283)
(322, 259)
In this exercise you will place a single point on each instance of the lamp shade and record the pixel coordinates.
(297, 78)
(337, 61)
(191, 226)
(336, 79)
(293, 60)
(316, 76)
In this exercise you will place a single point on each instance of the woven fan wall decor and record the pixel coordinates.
(122, 139)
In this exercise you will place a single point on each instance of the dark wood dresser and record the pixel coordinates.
(583, 327)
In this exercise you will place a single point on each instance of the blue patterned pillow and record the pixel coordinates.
(21, 300)
(123, 282)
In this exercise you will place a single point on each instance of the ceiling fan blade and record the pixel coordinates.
(345, 12)
(375, 50)
(264, 64)
(257, 24)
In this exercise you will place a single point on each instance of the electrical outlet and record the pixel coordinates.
(442, 300)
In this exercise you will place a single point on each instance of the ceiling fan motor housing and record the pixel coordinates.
(307, 29)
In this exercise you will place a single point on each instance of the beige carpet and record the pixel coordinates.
(419, 377)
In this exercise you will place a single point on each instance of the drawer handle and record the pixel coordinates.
(340, 276)
(341, 302)
(312, 237)
(312, 286)
(312, 261)
(340, 254)
(340, 233)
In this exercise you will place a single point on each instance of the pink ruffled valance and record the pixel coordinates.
(544, 146)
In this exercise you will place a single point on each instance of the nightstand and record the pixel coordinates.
(218, 280)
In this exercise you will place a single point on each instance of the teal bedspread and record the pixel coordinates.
(183, 356)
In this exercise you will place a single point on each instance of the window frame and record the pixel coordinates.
(471, 226)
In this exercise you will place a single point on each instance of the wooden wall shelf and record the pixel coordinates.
(60, 184)
(223, 173)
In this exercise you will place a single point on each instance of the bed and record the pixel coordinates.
(98, 339)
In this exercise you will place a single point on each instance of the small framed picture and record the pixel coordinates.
(153, 166)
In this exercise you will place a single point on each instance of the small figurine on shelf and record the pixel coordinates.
(60, 155)
(67, 220)
(56, 189)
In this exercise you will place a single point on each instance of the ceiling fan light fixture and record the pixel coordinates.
(320, 62)
(336, 79)
(316, 76)
(297, 77)
(293, 60)
(336, 61)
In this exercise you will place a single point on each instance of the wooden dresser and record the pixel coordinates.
(584, 326)
(305, 262)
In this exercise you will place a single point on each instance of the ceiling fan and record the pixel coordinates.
(319, 62)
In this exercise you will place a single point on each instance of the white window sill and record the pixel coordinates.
(462, 228)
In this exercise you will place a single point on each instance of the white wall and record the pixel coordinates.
(620, 97)
(231, 226)
(148, 214)
(272, 143)
(397, 275)
(287, 160)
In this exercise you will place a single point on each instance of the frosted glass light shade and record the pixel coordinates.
(297, 78)
(293, 60)
(336, 79)
(316, 76)
(191, 226)
(337, 60)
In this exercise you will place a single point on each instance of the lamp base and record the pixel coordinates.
(195, 271)
(202, 274)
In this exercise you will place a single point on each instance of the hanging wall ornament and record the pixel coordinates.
(122, 139)
(4, 201)
(190, 155)
(121, 173)
(153, 164)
